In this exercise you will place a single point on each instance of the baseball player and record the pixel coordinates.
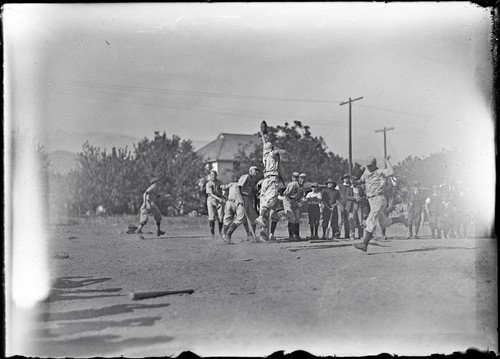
(374, 179)
(357, 208)
(215, 203)
(415, 206)
(276, 213)
(345, 205)
(269, 187)
(150, 200)
(329, 197)
(432, 208)
(240, 207)
(292, 198)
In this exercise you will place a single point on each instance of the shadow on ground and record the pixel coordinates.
(99, 312)
(425, 249)
(96, 345)
(69, 328)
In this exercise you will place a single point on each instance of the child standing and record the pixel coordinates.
(313, 199)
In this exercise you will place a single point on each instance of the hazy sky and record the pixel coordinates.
(196, 70)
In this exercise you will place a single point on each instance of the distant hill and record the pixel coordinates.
(63, 161)
(63, 147)
(73, 141)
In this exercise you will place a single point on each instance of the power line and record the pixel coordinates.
(192, 93)
(187, 107)
(393, 111)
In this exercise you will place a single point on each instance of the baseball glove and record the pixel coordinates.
(131, 229)
(263, 127)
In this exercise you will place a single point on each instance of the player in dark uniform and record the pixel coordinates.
(329, 197)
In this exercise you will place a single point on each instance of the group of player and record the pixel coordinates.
(246, 198)
(360, 205)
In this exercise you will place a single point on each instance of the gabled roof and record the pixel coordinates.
(227, 145)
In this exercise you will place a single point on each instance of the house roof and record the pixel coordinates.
(226, 146)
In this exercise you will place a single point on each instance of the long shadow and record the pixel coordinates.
(176, 237)
(319, 247)
(65, 289)
(91, 346)
(94, 313)
(57, 295)
(72, 282)
(69, 328)
(426, 249)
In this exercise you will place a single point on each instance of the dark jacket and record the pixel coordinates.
(347, 196)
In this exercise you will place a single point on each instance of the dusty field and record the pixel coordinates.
(404, 297)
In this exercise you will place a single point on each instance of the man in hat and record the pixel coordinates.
(313, 199)
(269, 188)
(374, 179)
(276, 213)
(432, 209)
(345, 205)
(416, 202)
(215, 203)
(330, 197)
(150, 201)
(292, 197)
(240, 206)
(357, 208)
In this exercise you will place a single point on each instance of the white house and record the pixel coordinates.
(221, 154)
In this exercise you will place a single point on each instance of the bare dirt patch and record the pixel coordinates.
(407, 297)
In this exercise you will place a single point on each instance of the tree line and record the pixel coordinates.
(117, 179)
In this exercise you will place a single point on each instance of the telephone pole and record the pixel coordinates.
(350, 130)
(385, 141)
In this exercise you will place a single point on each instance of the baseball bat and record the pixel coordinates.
(329, 229)
(158, 293)
(249, 223)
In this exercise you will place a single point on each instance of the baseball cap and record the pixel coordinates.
(268, 146)
(295, 174)
(345, 175)
(253, 168)
(302, 175)
(330, 180)
(371, 161)
(154, 180)
(314, 184)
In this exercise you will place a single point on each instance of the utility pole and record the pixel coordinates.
(385, 141)
(350, 130)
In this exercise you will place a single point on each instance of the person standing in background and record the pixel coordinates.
(416, 202)
(313, 199)
(345, 205)
(330, 197)
(432, 208)
(215, 203)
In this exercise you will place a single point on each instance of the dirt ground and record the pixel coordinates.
(403, 297)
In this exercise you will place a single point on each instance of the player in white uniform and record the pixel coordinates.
(149, 207)
(374, 179)
(215, 203)
(269, 188)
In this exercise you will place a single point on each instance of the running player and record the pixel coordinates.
(374, 179)
(149, 207)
